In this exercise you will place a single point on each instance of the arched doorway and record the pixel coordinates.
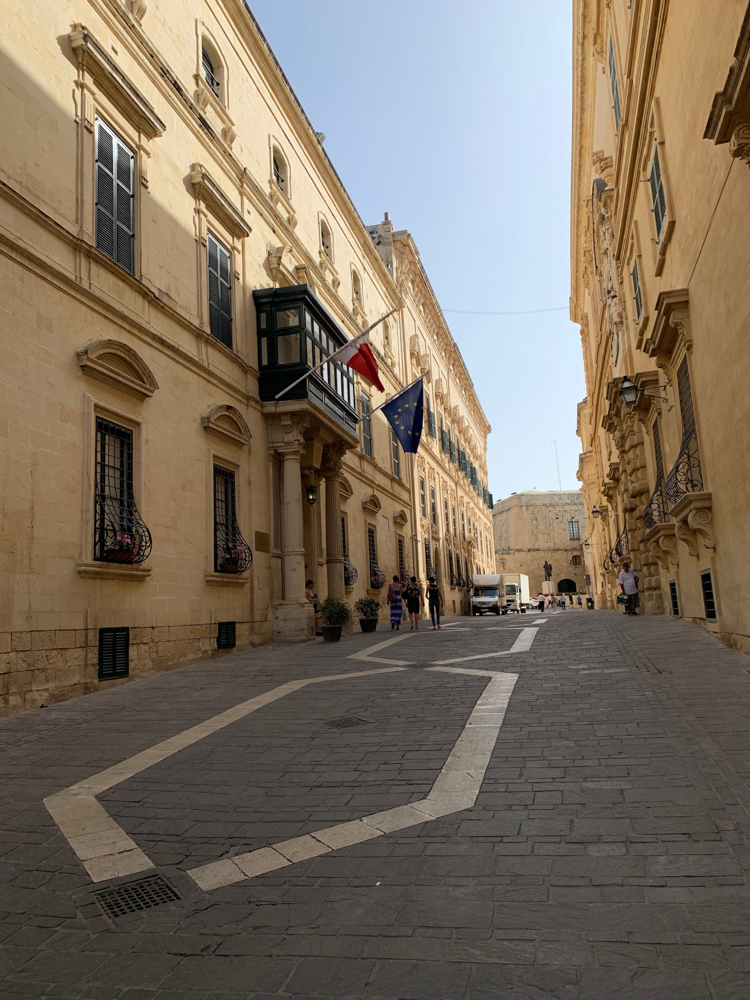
(566, 586)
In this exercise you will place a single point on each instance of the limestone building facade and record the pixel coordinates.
(660, 269)
(542, 526)
(177, 250)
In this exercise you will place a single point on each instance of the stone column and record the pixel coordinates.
(292, 527)
(334, 539)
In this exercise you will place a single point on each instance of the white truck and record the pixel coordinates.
(487, 594)
(515, 588)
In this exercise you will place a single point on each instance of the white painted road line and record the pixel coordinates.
(522, 645)
(456, 788)
(540, 621)
(103, 847)
(366, 654)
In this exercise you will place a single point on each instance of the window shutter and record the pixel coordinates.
(114, 653)
(105, 190)
(226, 637)
(124, 236)
(219, 291)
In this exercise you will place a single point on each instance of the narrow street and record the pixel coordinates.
(603, 857)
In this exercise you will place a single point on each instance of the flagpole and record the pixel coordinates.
(332, 357)
(359, 419)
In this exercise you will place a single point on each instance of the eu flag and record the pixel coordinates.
(405, 413)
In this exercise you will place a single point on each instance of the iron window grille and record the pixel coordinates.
(451, 569)
(615, 89)
(656, 510)
(232, 554)
(463, 526)
(377, 576)
(574, 532)
(709, 604)
(658, 198)
(114, 653)
(673, 598)
(226, 635)
(453, 513)
(576, 560)
(422, 498)
(447, 516)
(278, 175)
(114, 225)
(325, 241)
(637, 294)
(120, 535)
(658, 456)
(350, 570)
(208, 73)
(366, 426)
(429, 568)
(401, 559)
(220, 291)
(467, 582)
(433, 505)
(395, 455)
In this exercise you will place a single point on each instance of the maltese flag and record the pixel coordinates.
(357, 355)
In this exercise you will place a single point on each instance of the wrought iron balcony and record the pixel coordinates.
(619, 550)
(232, 553)
(686, 475)
(121, 536)
(350, 572)
(657, 509)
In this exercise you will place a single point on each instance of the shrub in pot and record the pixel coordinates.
(367, 608)
(335, 615)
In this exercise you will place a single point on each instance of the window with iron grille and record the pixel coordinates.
(343, 535)
(422, 498)
(114, 653)
(453, 512)
(115, 235)
(429, 568)
(637, 295)
(119, 532)
(573, 530)
(280, 170)
(685, 395)
(395, 455)
(658, 459)
(709, 604)
(326, 241)
(231, 552)
(673, 598)
(433, 505)
(613, 82)
(447, 516)
(468, 575)
(463, 526)
(372, 552)
(208, 72)
(450, 568)
(401, 559)
(658, 198)
(220, 291)
(226, 635)
(366, 426)
(576, 560)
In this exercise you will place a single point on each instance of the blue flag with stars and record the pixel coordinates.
(405, 413)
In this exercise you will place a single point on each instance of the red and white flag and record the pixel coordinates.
(357, 355)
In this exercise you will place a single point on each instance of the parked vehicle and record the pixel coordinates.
(486, 596)
(516, 593)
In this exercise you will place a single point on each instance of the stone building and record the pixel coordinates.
(538, 527)
(178, 249)
(660, 269)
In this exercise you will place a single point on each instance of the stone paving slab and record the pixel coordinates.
(606, 854)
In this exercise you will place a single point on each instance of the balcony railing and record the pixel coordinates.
(686, 475)
(657, 510)
(232, 554)
(619, 550)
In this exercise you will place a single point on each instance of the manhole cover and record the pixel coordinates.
(134, 896)
(346, 723)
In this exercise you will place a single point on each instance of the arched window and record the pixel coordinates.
(280, 171)
(212, 69)
(356, 288)
(326, 240)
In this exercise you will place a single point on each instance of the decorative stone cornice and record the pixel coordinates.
(671, 327)
(118, 365)
(731, 105)
(227, 422)
(208, 191)
(371, 503)
(400, 518)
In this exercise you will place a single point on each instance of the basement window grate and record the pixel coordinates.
(134, 896)
(673, 598)
(348, 722)
(226, 637)
(709, 603)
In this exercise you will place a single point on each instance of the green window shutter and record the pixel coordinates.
(115, 169)
(114, 653)
(220, 291)
(124, 235)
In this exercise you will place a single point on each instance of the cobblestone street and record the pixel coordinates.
(604, 856)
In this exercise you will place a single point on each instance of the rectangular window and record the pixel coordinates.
(707, 587)
(573, 530)
(220, 293)
(395, 455)
(427, 558)
(433, 505)
(114, 220)
(447, 516)
(685, 395)
(422, 498)
(637, 296)
(401, 559)
(366, 426)
(453, 511)
(115, 538)
(658, 198)
(576, 560)
(114, 653)
(658, 458)
(673, 598)
(463, 526)
(615, 88)
(450, 568)
(229, 549)
(452, 446)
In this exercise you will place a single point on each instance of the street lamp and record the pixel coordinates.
(311, 493)
(596, 512)
(630, 391)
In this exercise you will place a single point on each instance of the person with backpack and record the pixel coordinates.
(414, 602)
(434, 600)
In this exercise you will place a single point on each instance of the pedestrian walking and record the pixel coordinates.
(396, 603)
(563, 602)
(551, 602)
(580, 602)
(414, 602)
(540, 603)
(434, 600)
(628, 581)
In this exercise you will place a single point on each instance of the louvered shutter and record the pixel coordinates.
(114, 652)
(105, 190)
(124, 235)
(220, 291)
(226, 636)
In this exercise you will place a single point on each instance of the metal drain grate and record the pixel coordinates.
(134, 896)
(346, 723)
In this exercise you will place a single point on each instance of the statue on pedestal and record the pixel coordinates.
(547, 570)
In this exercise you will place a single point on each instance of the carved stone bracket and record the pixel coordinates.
(209, 192)
(694, 519)
(333, 455)
(739, 144)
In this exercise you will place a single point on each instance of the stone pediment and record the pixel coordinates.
(227, 422)
(371, 503)
(400, 518)
(118, 365)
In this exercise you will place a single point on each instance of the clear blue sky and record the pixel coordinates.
(455, 118)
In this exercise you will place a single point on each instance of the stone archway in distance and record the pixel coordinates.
(566, 586)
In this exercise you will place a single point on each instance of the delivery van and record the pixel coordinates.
(515, 590)
(486, 595)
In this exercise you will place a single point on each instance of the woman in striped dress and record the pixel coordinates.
(394, 599)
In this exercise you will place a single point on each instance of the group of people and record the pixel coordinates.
(411, 592)
(551, 601)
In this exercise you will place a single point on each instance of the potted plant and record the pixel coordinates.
(229, 559)
(367, 608)
(124, 549)
(335, 614)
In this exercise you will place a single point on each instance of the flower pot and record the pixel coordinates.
(368, 624)
(331, 633)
